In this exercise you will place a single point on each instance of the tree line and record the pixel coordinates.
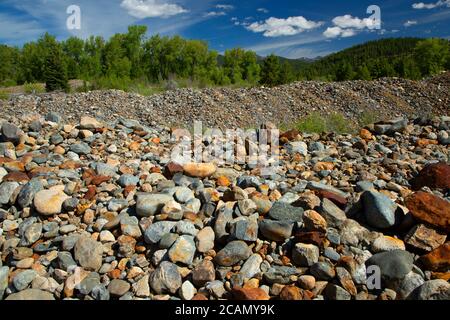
(132, 57)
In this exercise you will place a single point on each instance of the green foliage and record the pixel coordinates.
(55, 71)
(271, 71)
(368, 117)
(432, 55)
(4, 95)
(318, 123)
(33, 88)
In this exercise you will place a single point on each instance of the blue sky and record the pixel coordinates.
(290, 28)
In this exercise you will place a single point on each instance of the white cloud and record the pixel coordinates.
(440, 3)
(215, 14)
(151, 8)
(263, 10)
(274, 27)
(348, 26)
(224, 7)
(410, 23)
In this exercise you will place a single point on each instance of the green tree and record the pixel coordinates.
(55, 73)
(431, 55)
(270, 71)
(286, 73)
(345, 72)
(363, 73)
(73, 51)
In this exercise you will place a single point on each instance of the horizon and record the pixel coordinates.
(288, 29)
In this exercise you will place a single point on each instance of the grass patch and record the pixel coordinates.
(318, 123)
(4, 95)
(368, 117)
(30, 88)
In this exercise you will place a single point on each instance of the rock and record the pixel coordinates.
(294, 293)
(53, 117)
(80, 148)
(130, 227)
(49, 202)
(431, 290)
(31, 294)
(89, 123)
(245, 228)
(285, 212)
(434, 176)
(252, 294)
(332, 214)
(251, 266)
(386, 243)
(232, 253)
(275, 230)
(204, 240)
(118, 287)
(297, 147)
(183, 250)
(425, 238)
(431, 209)
(27, 193)
(6, 191)
(10, 133)
(126, 180)
(199, 170)
(158, 229)
(4, 272)
(23, 279)
(313, 185)
(307, 282)
(335, 292)
(322, 271)
(141, 288)
(314, 221)
(305, 255)
(247, 207)
(438, 259)
(150, 204)
(216, 288)
(204, 272)
(379, 210)
(394, 265)
(187, 291)
(166, 278)
(88, 253)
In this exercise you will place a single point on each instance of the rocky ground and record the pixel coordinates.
(225, 108)
(96, 209)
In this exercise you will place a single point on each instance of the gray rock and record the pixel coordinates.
(126, 180)
(335, 292)
(248, 181)
(91, 281)
(275, 230)
(118, 288)
(313, 185)
(204, 272)
(407, 285)
(150, 204)
(245, 228)
(282, 211)
(116, 205)
(322, 271)
(166, 278)
(23, 279)
(168, 240)
(183, 250)
(6, 191)
(431, 290)
(332, 214)
(156, 230)
(65, 260)
(232, 253)
(216, 288)
(53, 117)
(305, 255)
(224, 217)
(187, 290)
(104, 169)
(130, 226)
(4, 272)
(80, 148)
(10, 133)
(100, 293)
(186, 227)
(31, 294)
(204, 239)
(183, 194)
(27, 193)
(394, 265)
(88, 253)
(379, 210)
(251, 266)
(279, 274)
(297, 147)
(70, 204)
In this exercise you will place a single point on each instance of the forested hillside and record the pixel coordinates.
(132, 59)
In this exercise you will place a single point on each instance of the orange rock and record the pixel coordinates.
(199, 296)
(14, 166)
(249, 294)
(435, 175)
(441, 275)
(323, 166)
(134, 146)
(430, 209)
(422, 143)
(438, 259)
(156, 140)
(98, 180)
(365, 134)
(90, 194)
(294, 293)
(5, 160)
(16, 176)
(199, 170)
(115, 274)
(289, 136)
(70, 165)
(223, 181)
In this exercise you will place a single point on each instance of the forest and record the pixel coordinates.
(130, 59)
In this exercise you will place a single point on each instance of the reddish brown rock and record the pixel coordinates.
(315, 238)
(16, 176)
(295, 293)
(433, 176)
(333, 197)
(438, 259)
(431, 209)
(289, 136)
(249, 294)
(425, 238)
(171, 169)
(199, 296)
(90, 194)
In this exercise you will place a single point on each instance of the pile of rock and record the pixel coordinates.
(245, 107)
(101, 211)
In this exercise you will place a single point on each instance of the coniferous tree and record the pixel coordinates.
(55, 73)
(270, 71)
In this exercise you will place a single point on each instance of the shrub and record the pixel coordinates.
(32, 88)
(313, 123)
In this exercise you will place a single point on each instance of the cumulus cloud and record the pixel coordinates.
(440, 3)
(151, 8)
(348, 26)
(410, 23)
(274, 27)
